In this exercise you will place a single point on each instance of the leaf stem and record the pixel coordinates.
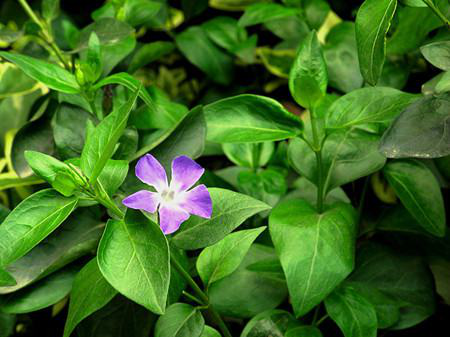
(362, 199)
(202, 296)
(321, 319)
(317, 148)
(45, 32)
(438, 12)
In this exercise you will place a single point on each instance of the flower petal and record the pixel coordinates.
(185, 173)
(198, 202)
(145, 200)
(171, 217)
(151, 172)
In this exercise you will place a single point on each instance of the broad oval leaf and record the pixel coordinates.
(269, 323)
(224, 257)
(133, 256)
(249, 118)
(355, 316)
(369, 108)
(372, 24)
(405, 279)
(316, 251)
(438, 54)
(180, 320)
(31, 222)
(419, 191)
(422, 130)
(308, 78)
(6, 279)
(341, 57)
(90, 293)
(263, 12)
(210, 332)
(77, 236)
(230, 209)
(50, 74)
(40, 295)
(195, 45)
(252, 292)
(121, 317)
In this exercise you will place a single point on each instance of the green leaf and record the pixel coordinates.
(180, 320)
(304, 331)
(252, 155)
(7, 324)
(252, 292)
(187, 139)
(165, 114)
(230, 209)
(90, 293)
(15, 82)
(195, 45)
(419, 191)
(438, 54)
(6, 279)
(139, 12)
(263, 12)
(101, 143)
(407, 36)
(347, 155)
(210, 332)
(269, 323)
(119, 318)
(315, 12)
(133, 256)
(355, 316)
(77, 236)
(10, 180)
(225, 32)
(55, 172)
(149, 53)
(249, 118)
(308, 78)
(31, 222)
(372, 24)
(369, 108)
(40, 295)
(129, 82)
(341, 57)
(224, 257)
(277, 61)
(422, 130)
(50, 74)
(109, 31)
(69, 130)
(403, 278)
(325, 257)
(50, 9)
(113, 175)
(36, 135)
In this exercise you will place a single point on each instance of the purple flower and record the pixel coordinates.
(175, 202)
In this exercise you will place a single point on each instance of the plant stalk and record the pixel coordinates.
(202, 296)
(438, 12)
(45, 33)
(317, 148)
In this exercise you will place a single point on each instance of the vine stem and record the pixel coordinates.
(317, 148)
(45, 32)
(202, 296)
(437, 11)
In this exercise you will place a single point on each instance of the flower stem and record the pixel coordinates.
(202, 296)
(45, 33)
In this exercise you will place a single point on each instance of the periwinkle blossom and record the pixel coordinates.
(174, 202)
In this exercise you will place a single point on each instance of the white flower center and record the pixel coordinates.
(167, 196)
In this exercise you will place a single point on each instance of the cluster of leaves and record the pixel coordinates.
(83, 96)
